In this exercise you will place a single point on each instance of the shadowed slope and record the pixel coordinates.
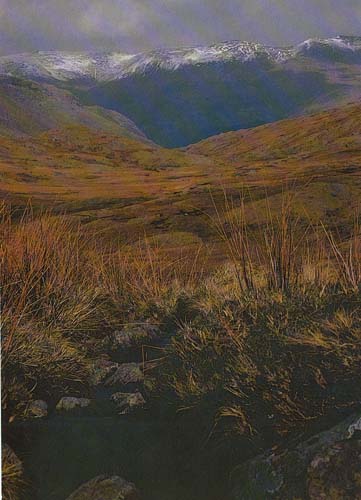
(29, 108)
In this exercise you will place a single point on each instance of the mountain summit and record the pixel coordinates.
(107, 66)
(180, 96)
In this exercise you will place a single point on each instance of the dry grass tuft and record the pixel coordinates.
(12, 475)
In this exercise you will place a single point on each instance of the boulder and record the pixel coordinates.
(336, 473)
(37, 409)
(326, 466)
(125, 373)
(106, 488)
(134, 335)
(71, 403)
(127, 402)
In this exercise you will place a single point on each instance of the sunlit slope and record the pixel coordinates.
(29, 108)
(320, 136)
(77, 164)
(121, 185)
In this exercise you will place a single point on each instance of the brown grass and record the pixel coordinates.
(263, 346)
(274, 344)
(12, 475)
(48, 301)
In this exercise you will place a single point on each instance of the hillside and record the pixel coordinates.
(27, 107)
(323, 134)
(183, 95)
(125, 187)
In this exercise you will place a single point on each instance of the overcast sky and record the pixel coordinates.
(136, 25)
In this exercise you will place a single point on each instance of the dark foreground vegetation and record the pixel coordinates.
(255, 351)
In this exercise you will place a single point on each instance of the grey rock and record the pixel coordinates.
(133, 335)
(125, 373)
(127, 402)
(318, 465)
(102, 368)
(106, 488)
(71, 403)
(38, 409)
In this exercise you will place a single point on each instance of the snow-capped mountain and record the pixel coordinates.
(180, 96)
(104, 67)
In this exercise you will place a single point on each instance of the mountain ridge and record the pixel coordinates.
(105, 66)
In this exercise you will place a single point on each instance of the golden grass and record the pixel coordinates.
(48, 302)
(12, 475)
(268, 334)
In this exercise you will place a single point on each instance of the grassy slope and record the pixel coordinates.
(121, 185)
(29, 108)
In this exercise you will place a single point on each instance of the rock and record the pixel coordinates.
(127, 402)
(133, 335)
(102, 368)
(38, 409)
(336, 473)
(326, 466)
(106, 488)
(70, 403)
(126, 373)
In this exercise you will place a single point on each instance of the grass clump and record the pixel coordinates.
(12, 475)
(48, 304)
(268, 365)
(274, 342)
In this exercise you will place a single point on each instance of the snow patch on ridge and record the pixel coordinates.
(116, 65)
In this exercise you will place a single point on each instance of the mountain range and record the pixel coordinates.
(181, 96)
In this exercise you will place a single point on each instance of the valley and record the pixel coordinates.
(181, 96)
(181, 272)
(123, 186)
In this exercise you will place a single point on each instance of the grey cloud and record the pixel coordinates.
(134, 25)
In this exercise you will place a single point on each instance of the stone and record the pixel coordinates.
(126, 373)
(336, 473)
(102, 368)
(71, 403)
(326, 466)
(133, 335)
(38, 409)
(127, 402)
(106, 488)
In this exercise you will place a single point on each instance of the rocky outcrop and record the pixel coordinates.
(37, 409)
(71, 403)
(106, 488)
(127, 402)
(326, 466)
